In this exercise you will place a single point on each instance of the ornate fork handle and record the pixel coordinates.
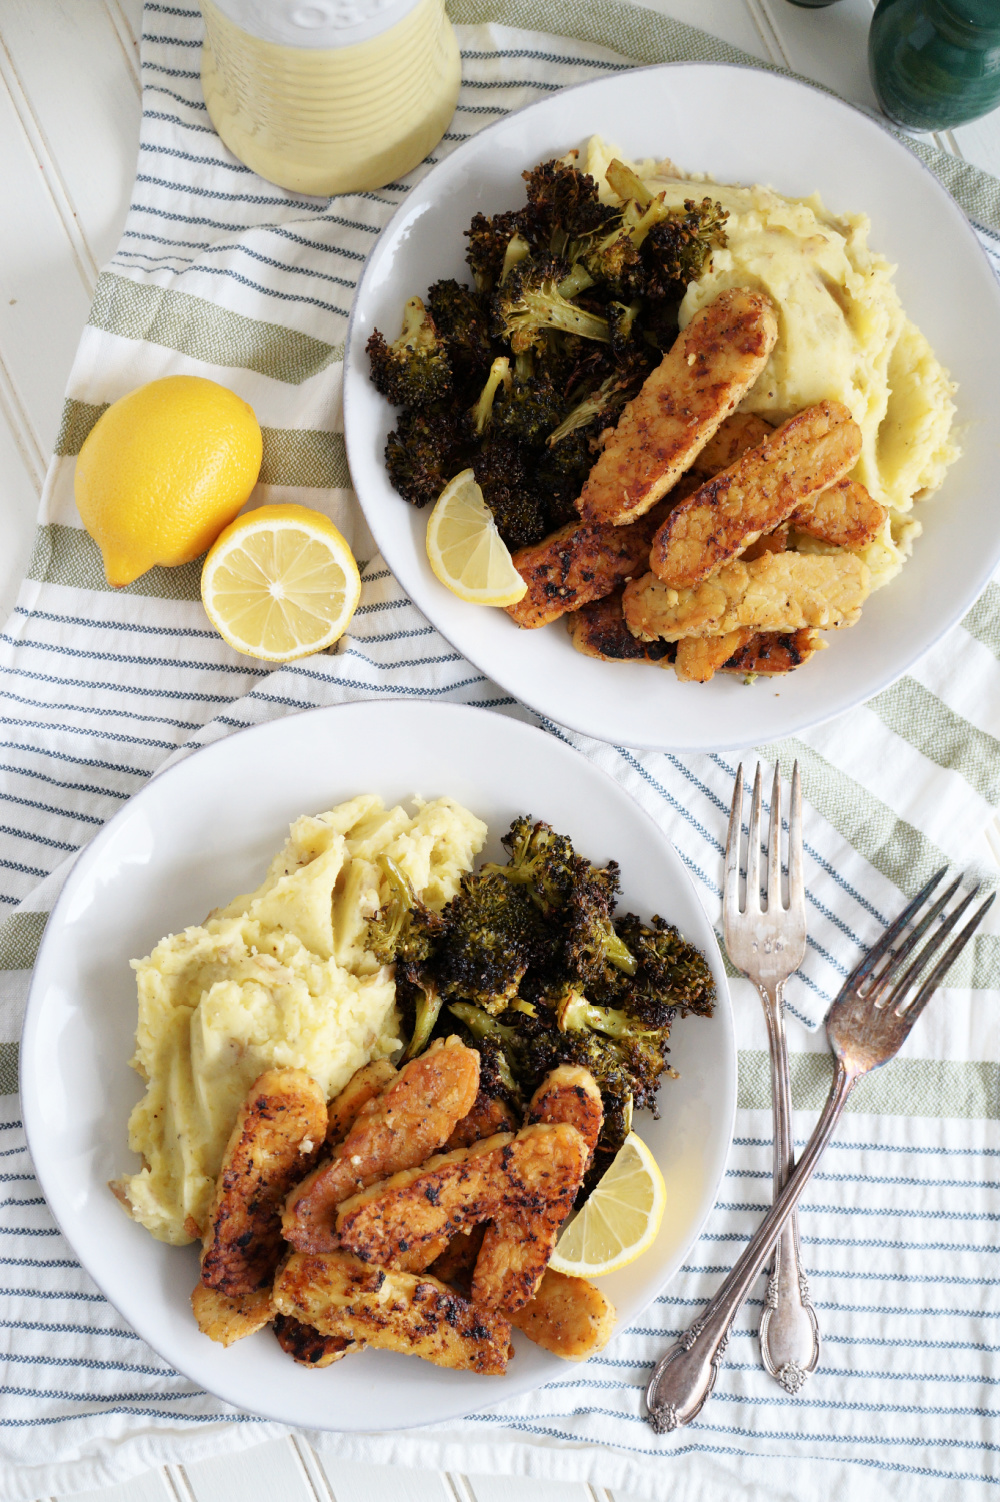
(684, 1378)
(789, 1330)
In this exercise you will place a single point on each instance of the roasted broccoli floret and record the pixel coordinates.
(563, 206)
(622, 323)
(404, 929)
(425, 452)
(670, 971)
(463, 321)
(529, 411)
(503, 469)
(541, 861)
(499, 376)
(678, 249)
(413, 371)
(492, 933)
(488, 241)
(529, 303)
(591, 944)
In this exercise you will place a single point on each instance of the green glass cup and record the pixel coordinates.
(935, 63)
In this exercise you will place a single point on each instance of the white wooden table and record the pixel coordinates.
(69, 121)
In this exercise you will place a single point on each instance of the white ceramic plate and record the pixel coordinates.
(756, 128)
(205, 829)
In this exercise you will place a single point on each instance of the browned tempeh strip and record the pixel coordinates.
(776, 592)
(368, 1082)
(399, 1129)
(538, 1172)
(742, 431)
(567, 1316)
(516, 1247)
(579, 563)
(710, 368)
(276, 1137)
(599, 630)
(807, 454)
(307, 1346)
(775, 652)
(700, 657)
(845, 515)
(228, 1319)
(341, 1296)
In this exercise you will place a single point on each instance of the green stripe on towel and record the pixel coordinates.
(20, 937)
(8, 1068)
(904, 1087)
(204, 331)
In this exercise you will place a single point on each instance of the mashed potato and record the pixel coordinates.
(843, 335)
(279, 977)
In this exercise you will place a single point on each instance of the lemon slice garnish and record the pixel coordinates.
(620, 1219)
(280, 583)
(466, 551)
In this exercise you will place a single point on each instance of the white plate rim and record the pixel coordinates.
(353, 379)
(91, 853)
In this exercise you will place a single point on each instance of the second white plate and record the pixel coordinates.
(206, 829)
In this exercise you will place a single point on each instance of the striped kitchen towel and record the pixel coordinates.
(221, 274)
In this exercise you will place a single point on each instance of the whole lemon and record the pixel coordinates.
(163, 471)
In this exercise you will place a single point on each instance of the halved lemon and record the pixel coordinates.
(280, 582)
(620, 1219)
(466, 551)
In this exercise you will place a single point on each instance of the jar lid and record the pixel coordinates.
(315, 23)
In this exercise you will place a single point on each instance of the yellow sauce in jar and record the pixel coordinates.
(323, 120)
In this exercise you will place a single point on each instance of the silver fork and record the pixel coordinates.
(867, 1025)
(769, 945)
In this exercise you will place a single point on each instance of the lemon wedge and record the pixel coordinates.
(620, 1219)
(466, 551)
(280, 582)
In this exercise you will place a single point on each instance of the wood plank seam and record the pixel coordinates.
(770, 35)
(182, 1488)
(62, 202)
(315, 1474)
(127, 39)
(22, 430)
(305, 1470)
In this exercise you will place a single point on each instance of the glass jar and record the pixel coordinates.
(935, 63)
(329, 96)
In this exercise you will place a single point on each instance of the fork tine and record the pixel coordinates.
(731, 878)
(944, 964)
(772, 875)
(753, 849)
(867, 964)
(897, 959)
(796, 881)
(930, 949)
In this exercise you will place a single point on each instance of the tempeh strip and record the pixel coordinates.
(339, 1295)
(776, 592)
(276, 1137)
(844, 515)
(807, 454)
(701, 380)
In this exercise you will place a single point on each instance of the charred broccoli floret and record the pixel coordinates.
(413, 371)
(563, 206)
(670, 971)
(463, 321)
(541, 861)
(492, 933)
(404, 929)
(488, 240)
(425, 452)
(678, 249)
(503, 469)
(531, 408)
(481, 414)
(591, 944)
(529, 303)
